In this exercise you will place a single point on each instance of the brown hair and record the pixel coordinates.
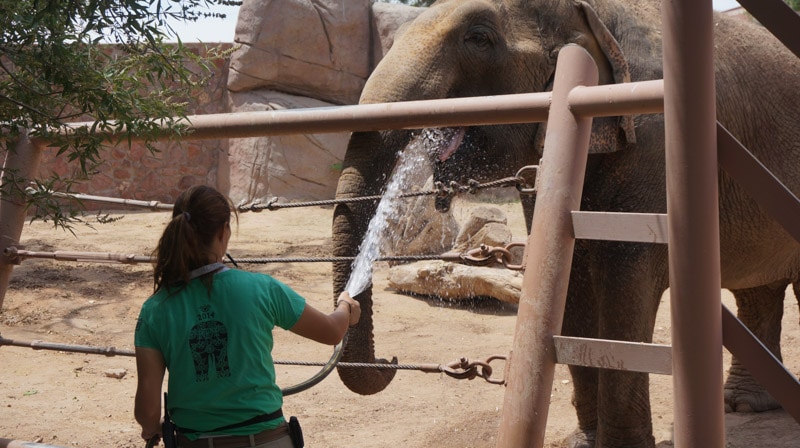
(198, 215)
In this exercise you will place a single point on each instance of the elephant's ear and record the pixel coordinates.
(607, 129)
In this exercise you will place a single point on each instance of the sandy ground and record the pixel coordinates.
(68, 399)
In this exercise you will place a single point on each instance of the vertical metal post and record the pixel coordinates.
(693, 222)
(550, 246)
(20, 166)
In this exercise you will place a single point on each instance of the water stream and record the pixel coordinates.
(370, 250)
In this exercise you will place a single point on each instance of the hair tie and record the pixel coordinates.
(187, 216)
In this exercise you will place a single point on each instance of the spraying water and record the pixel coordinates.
(370, 249)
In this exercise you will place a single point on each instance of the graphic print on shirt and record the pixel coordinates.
(208, 341)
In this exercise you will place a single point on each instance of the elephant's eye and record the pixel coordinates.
(480, 36)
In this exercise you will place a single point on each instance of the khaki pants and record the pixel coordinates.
(275, 438)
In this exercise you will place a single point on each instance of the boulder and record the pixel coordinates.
(418, 228)
(291, 167)
(485, 225)
(319, 49)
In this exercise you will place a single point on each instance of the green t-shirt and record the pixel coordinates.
(218, 348)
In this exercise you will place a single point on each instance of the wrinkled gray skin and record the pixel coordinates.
(489, 47)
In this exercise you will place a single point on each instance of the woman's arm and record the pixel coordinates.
(328, 328)
(150, 367)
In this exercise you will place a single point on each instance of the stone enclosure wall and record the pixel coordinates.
(135, 173)
(291, 54)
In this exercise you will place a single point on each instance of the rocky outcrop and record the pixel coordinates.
(419, 229)
(289, 167)
(296, 54)
(318, 49)
(485, 225)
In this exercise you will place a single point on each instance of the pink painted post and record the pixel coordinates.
(693, 222)
(529, 381)
(20, 166)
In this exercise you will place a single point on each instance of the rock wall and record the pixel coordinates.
(136, 173)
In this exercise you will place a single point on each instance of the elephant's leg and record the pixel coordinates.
(761, 310)
(580, 319)
(632, 282)
(584, 399)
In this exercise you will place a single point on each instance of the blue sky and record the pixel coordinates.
(216, 30)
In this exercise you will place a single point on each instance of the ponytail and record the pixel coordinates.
(198, 215)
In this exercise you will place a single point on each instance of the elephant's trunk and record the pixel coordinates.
(368, 163)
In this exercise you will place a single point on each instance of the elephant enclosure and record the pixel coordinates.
(70, 399)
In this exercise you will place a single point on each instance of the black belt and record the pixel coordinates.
(257, 419)
(223, 441)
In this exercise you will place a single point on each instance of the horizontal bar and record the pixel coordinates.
(609, 226)
(71, 348)
(152, 205)
(770, 193)
(761, 363)
(645, 97)
(627, 98)
(16, 254)
(11, 443)
(617, 355)
(487, 110)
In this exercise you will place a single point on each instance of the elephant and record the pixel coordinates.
(467, 48)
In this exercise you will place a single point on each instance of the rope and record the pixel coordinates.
(454, 188)
(113, 351)
(441, 190)
(482, 256)
(272, 204)
(362, 365)
(267, 260)
(461, 369)
(103, 257)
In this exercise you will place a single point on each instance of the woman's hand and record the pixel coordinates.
(328, 328)
(355, 307)
(149, 433)
(150, 368)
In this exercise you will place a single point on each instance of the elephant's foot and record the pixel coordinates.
(581, 439)
(744, 394)
(588, 439)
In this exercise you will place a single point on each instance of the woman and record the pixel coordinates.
(211, 327)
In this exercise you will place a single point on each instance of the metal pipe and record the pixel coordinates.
(759, 182)
(548, 258)
(645, 97)
(693, 222)
(152, 205)
(779, 18)
(11, 443)
(635, 97)
(20, 166)
(500, 109)
(18, 255)
(70, 348)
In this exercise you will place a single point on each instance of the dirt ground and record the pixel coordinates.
(67, 399)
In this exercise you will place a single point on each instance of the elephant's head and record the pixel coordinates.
(461, 49)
